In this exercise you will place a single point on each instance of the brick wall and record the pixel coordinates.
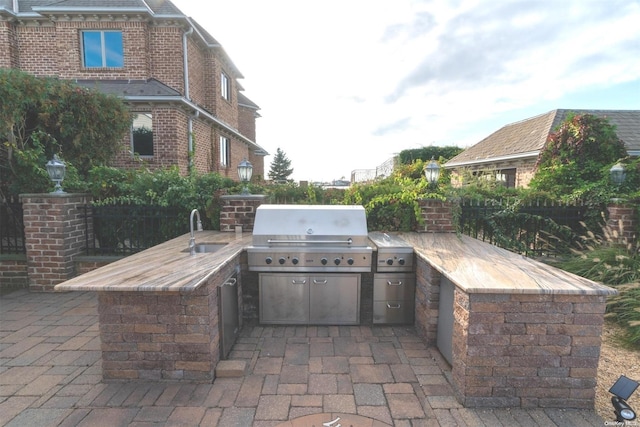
(437, 216)
(162, 335)
(86, 264)
(166, 58)
(54, 236)
(13, 272)
(8, 54)
(623, 221)
(239, 210)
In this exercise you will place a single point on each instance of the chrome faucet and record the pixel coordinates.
(192, 240)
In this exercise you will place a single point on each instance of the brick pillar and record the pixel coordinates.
(437, 216)
(54, 236)
(239, 210)
(623, 219)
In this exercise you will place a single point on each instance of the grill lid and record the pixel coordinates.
(336, 225)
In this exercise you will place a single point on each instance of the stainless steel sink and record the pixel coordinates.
(207, 248)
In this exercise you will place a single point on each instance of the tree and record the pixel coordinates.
(280, 170)
(409, 156)
(577, 155)
(40, 117)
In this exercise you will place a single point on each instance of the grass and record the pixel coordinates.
(614, 261)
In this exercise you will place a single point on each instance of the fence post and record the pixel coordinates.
(54, 235)
(437, 215)
(623, 218)
(239, 210)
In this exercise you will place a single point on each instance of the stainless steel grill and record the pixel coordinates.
(309, 259)
(311, 238)
(394, 254)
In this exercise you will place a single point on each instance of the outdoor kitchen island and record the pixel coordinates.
(517, 333)
(159, 308)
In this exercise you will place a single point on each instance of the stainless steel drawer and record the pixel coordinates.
(394, 286)
(393, 312)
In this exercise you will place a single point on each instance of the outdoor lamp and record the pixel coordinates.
(56, 169)
(245, 170)
(622, 390)
(432, 172)
(617, 173)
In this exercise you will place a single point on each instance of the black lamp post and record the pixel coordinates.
(56, 170)
(617, 173)
(432, 172)
(245, 170)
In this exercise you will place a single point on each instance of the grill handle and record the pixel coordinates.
(333, 242)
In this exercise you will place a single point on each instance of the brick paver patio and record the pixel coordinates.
(50, 375)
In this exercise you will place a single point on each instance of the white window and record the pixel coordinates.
(225, 151)
(225, 86)
(102, 49)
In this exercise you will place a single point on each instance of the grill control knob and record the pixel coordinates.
(389, 261)
(401, 261)
(350, 261)
(281, 260)
(268, 260)
(324, 261)
(294, 261)
(336, 261)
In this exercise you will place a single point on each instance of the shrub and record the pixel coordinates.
(613, 261)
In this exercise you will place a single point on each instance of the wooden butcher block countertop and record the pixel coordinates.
(165, 267)
(478, 267)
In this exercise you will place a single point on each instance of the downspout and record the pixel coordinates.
(185, 65)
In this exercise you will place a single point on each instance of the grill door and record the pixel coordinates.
(334, 299)
(284, 298)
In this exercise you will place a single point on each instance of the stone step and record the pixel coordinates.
(231, 368)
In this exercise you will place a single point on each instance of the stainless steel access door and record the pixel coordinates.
(284, 298)
(334, 299)
(229, 319)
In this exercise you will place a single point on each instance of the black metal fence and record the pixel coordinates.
(11, 228)
(127, 229)
(533, 229)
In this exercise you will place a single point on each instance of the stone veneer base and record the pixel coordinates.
(517, 350)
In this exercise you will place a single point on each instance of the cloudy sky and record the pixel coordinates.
(346, 84)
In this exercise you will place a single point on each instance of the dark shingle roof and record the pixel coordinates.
(243, 100)
(157, 7)
(125, 88)
(529, 136)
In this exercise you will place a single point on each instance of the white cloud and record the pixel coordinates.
(344, 85)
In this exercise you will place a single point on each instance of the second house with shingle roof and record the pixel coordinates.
(510, 154)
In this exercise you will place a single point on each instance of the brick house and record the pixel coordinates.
(176, 78)
(510, 153)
